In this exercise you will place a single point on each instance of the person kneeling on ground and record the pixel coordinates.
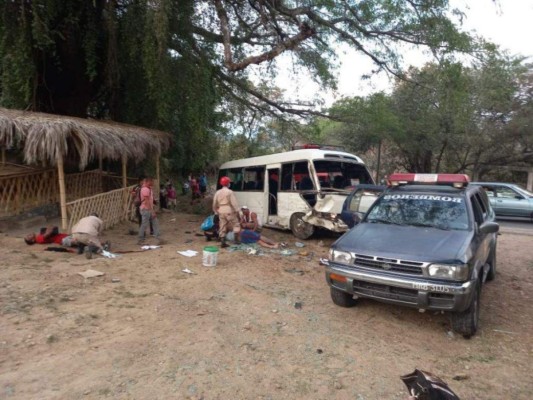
(87, 232)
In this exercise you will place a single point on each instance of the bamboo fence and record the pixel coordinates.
(112, 207)
(24, 191)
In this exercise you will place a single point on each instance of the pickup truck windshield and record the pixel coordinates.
(435, 211)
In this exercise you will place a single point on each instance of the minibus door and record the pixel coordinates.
(272, 190)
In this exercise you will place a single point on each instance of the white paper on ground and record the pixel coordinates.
(188, 253)
(150, 247)
(108, 254)
(187, 271)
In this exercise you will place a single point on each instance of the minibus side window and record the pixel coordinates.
(286, 177)
(236, 176)
(254, 179)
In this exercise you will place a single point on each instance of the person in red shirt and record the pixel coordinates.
(46, 235)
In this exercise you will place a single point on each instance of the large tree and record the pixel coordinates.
(179, 65)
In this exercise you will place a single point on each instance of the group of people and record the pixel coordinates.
(85, 236)
(236, 223)
(198, 186)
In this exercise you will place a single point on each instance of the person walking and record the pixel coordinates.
(148, 215)
(226, 207)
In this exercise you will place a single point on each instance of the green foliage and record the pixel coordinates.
(445, 118)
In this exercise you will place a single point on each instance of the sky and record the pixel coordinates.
(508, 23)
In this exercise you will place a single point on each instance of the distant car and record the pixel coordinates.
(358, 202)
(508, 200)
(429, 242)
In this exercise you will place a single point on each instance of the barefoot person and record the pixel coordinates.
(249, 220)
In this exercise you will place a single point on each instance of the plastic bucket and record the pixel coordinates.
(210, 256)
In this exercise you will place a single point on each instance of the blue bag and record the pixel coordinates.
(208, 223)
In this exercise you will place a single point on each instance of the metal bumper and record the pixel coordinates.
(403, 290)
(332, 224)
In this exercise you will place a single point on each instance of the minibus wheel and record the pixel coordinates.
(300, 228)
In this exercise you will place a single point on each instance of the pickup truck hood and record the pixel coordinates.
(406, 242)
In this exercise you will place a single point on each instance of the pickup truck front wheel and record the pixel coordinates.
(466, 322)
(341, 298)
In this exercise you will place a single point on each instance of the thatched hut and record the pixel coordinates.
(51, 140)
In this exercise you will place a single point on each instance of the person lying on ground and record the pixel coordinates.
(249, 237)
(47, 235)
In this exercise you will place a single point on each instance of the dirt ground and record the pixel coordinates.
(236, 331)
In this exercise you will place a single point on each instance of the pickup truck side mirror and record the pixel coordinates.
(489, 227)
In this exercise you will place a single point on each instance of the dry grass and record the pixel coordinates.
(45, 137)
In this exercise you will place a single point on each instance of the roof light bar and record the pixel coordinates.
(455, 180)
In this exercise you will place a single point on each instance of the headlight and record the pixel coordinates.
(342, 257)
(458, 272)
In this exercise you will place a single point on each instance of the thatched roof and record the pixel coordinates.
(45, 137)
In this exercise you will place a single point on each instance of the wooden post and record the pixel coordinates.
(530, 180)
(124, 171)
(62, 194)
(157, 183)
(101, 172)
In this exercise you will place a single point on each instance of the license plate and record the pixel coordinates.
(431, 288)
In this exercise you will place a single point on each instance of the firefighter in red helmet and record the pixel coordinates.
(226, 207)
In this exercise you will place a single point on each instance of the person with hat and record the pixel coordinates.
(249, 220)
(226, 207)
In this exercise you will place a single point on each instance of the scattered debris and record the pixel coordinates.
(461, 377)
(275, 311)
(502, 331)
(319, 351)
(150, 247)
(115, 280)
(450, 334)
(188, 241)
(298, 305)
(108, 254)
(188, 253)
(299, 244)
(287, 252)
(323, 261)
(252, 252)
(188, 232)
(321, 243)
(172, 220)
(187, 271)
(91, 273)
(294, 271)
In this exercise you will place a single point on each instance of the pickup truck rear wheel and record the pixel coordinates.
(466, 322)
(492, 262)
(300, 228)
(341, 298)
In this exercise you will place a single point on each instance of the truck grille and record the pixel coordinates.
(388, 264)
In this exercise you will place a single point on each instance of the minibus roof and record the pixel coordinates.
(292, 156)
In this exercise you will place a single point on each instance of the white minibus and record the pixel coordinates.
(298, 190)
